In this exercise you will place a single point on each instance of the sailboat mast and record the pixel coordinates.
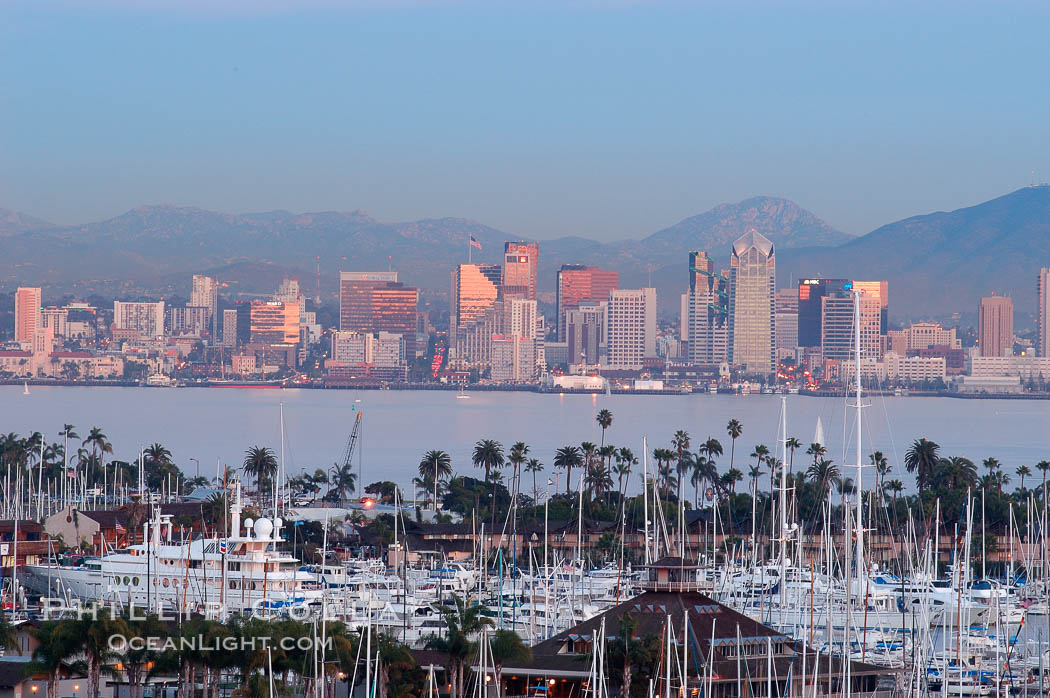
(860, 432)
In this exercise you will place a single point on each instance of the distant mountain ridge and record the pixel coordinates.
(936, 263)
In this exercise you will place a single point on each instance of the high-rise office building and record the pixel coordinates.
(786, 322)
(1042, 289)
(378, 302)
(27, 313)
(706, 309)
(289, 291)
(274, 323)
(384, 349)
(580, 284)
(752, 285)
(838, 328)
(810, 308)
(630, 327)
(881, 291)
(191, 320)
(475, 290)
(520, 264)
(585, 332)
(995, 326)
(513, 358)
(520, 317)
(145, 318)
(205, 294)
(229, 328)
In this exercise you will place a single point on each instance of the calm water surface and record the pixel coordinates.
(399, 426)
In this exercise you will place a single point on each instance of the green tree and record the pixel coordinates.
(506, 646)
(261, 464)
(605, 420)
(567, 458)
(734, 429)
(534, 466)
(922, 459)
(462, 622)
(57, 642)
(437, 465)
(1022, 472)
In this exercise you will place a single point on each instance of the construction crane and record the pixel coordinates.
(346, 462)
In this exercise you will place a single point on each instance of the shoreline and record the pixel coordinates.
(531, 388)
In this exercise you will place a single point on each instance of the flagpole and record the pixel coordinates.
(470, 248)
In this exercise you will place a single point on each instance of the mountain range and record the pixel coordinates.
(937, 264)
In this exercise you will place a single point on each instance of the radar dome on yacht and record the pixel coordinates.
(248, 527)
(263, 528)
(278, 522)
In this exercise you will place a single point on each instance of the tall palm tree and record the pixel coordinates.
(792, 444)
(518, 456)
(625, 460)
(922, 459)
(680, 443)
(94, 634)
(462, 622)
(534, 466)
(98, 442)
(488, 454)
(882, 469)
(343, 480)
(57, 642)
(754, 472)
(958, 472)
(568, 457)
(816, 450)
(605, 420)
(734, 429)
(1044, 467)
(506, 646)
(1023, 472)
(436, 464)
(261, 464)
(896, 487)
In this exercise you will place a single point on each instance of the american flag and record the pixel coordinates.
(474, 242)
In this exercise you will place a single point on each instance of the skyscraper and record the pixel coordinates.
(205, 294)
(378, 302)
(229, 328)
(752, 285)
(289, 291)
(786, 322)
(520, 264)
(579, 284)
(27, 313)
(475, 290)
(145, 318)
(995, 326)
(881, 291)
(274, 322)
(838, 329)
(810, 308)
(630, 327)
(585, 332)
(706, 307)
(1042, 288)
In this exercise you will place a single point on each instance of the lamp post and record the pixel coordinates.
(198, 464)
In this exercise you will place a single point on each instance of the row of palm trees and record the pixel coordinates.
(202, 651)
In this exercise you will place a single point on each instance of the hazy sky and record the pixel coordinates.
(602, 119)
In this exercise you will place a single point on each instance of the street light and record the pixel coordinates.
(198, 466)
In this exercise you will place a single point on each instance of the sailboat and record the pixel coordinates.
(25, 387)
(462, 395)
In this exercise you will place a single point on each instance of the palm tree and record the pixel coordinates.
(99, 443)
(958, 472)
(436, 464)
(1023, 472)
(488, 454)
(922, 459)
(816, 450)
(824, 472)
(680, 444)
(734, 429)
(732, 477)
(518, 456)
(1044, 466)
(534, 466)
(260, 463)
(896, 487)
(506, 646)
(57, 642)
(597, 479)
(94, 634)
(882, 469)
(792, 444)
(342, 480)
(568, 457)
(462, 621)
(605, 420)
(754, 472)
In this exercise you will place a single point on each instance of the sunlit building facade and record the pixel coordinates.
(475, 290)
(378, 302)
(995, 326)
(274, 322)
(27, 313)
(520, 269)
(581, 284)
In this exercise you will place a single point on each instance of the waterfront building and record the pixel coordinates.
(752, 285)
(243, 364)
(378, 302)
(205, 294)
(811, 309)
(585, 333)
(57, 319)
(995, 326)
(229, 328)
(706, 311)
(27, 312)
(837, 327)
(578, 284)
(274, 323)
(1043, 311)
(630, 327)
(520, 265)
(1026, 366)
(513, 358)
(474, 292)
(143, 317)
(914, 369)
(383, 349)
(881, 291)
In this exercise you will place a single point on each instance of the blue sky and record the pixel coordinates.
(602, 119)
